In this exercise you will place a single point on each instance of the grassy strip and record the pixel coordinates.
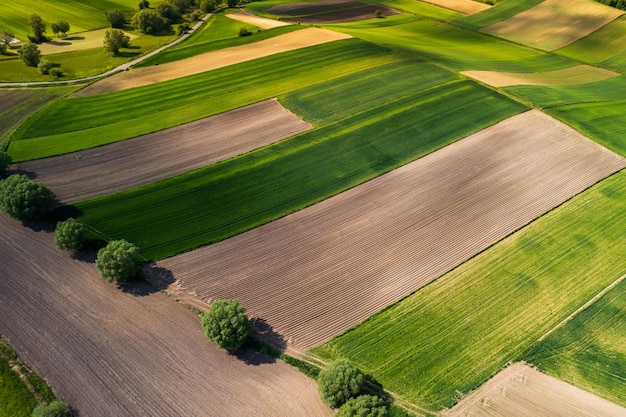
(589, 351)
(497, 13)
(451, 336)
(227, 198)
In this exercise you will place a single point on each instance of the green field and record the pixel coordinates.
(498, 13)
(451, 336)
(590, 350)
(230, 197)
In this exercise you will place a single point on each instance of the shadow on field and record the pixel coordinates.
(159, 278)
(253, 355)
(263, 347)
(266, 334)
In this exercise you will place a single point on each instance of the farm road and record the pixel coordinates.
(111, 353)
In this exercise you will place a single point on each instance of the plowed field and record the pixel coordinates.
(463, 6)
(111, 353)
(316, 273)
(149, 158)
(213, 60)
(520, 391)
(580, 74)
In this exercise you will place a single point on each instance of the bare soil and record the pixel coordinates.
(520, 391)
(260, 22)
(119, 166)
(129, 352)
(314, 274)
(347, 15)
(307, 8)
(212, 60)
(579, 74)
(463, 6)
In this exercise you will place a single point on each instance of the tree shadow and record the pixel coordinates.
(73, 38)
(16, 170)
(137, 287)
(41, 225)
(264, 332)
(158, 277)
(372, 386)
(263, 346)
(251, 354)
(126, 54)
(59, 43)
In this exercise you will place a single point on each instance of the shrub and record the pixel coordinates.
(144, 4)
(232, 3)
(363, 406)
(55, 408)
(114, 39)
(69, 235)
(195, 16)
(56, 73)
(149, 21)
(30, 54)
(226, 324)
(168, 11)
(5, 161)
(116, 18)
(208, 6)
(378, 13)
(118, 261)
(183, 28)
(340, 382)
(244, 32)
(23, 198)
(45, 67)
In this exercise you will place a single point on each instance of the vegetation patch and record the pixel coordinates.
(501, 11)
(451, 336)
(580, 74)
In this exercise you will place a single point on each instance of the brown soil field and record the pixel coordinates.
(119, 166)
(554, 24)
(315, 273)
(77, 42)
(580, 74)
(307, 8)
(129, 353)
(347, 15)
(463, 6)
(521, 391)
(212, 60)
(260, 22)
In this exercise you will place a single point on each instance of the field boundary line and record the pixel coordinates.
(582, 308)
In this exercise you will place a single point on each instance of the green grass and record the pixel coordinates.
(79, 123)
(227, 198)
(451, 336)
(497, 13)
(589, 351)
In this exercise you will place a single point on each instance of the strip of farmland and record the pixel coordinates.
(258, 21)
(463, 6)
(113, 353)
(580, 74)
(134, 162)
(318, 272)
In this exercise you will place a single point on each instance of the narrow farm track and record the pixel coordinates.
(119, 166)
(316, 273)
(111, 353)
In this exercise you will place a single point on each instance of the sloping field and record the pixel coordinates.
(348, 15)
(112, 353)
(212, 60)
(580, 74)
(463, 6)
(146, 159)
(521, 391)
(450, 337)
(553, 24)
(257, 21)
(318, 272)
(501, 11)
(311, 8)
(79, 42)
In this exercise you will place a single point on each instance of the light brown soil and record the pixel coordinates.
(77, 42)
(124, 354)
(463, 6)
(348, 15)
(579, 74)
(307, 8)
(212, 60)
(260, 22)
(314, 274)
(521, 391)
(149, 158)
(554, 24)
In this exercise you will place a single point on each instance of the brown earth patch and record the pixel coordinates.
(306, 8)
(123, 165)
(463, 6)
(580, 74)
(347, 15)
(129, 353)
(212, 60)
(315, 273)
(260, 22)
(520, 391)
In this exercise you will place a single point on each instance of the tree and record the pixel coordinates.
(168, 11)
(363, 406)
(115, 39)
(340, 382)
(208, 6)
(118, 261)
(144, 4)
(60, 27)
(226, 324)
(149, 21)
(69, 235)
(55, 408)
(116, 18)
(39, 27)
(30, 54)
(23, 198)
(5, 161)
(232, 3)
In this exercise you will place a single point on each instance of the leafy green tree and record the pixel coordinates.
(118, 261)
(30, 54)
(61, 27)
(168, 11)
(149, 21)
(5, 161)
(226, 324)
(39, 28)
(115, 39)
(116, 18)
(23, 198)
(144, 4)
(55, 408)
(363, 406)
(340, 382)
(208, 6)
(69, 235)
(232, 3)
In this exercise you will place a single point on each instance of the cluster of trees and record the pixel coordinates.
(54, 408)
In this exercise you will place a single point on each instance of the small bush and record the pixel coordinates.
(44, 67)
(208, 6)
(5, 161)
(378, 13)
(363, 406)
(244, 32)
(118, 261)
(340, 382)
(55, 408)
(69, 235)
(183, 28)
(195, 16)
(56, 73)
(144, 4)
(24, 199)
(226, 324)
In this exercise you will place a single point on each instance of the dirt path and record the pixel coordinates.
(579, 74)
(111, 353)
(119, 166)
(260, 22)
(520, 391)
(316, 273)
(212, 60)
